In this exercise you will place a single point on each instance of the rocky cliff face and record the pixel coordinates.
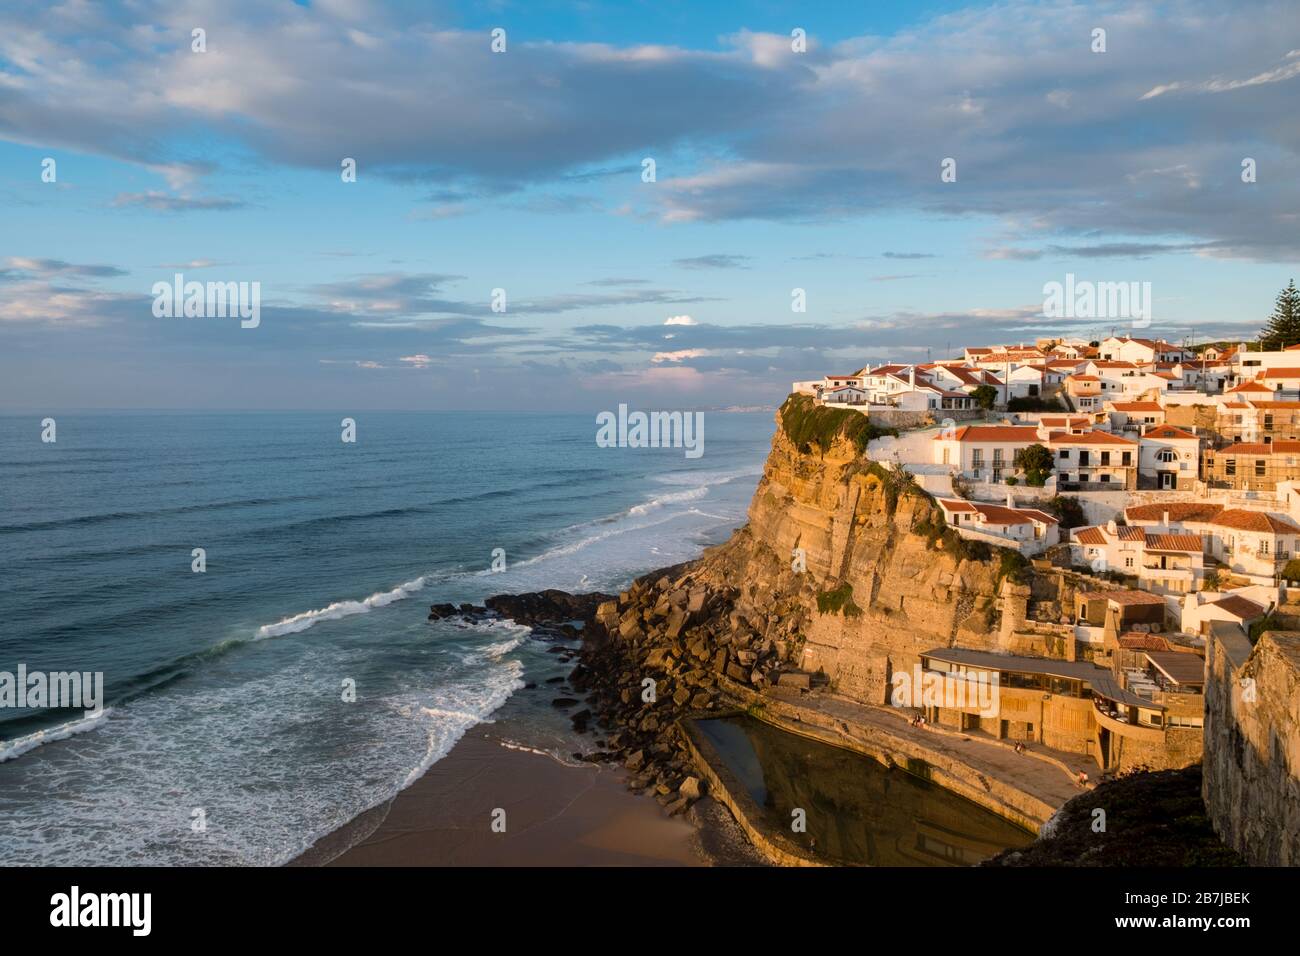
(840, 576)
(827, 524)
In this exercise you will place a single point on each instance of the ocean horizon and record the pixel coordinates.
(226, 689)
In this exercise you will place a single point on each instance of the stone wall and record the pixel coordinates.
(1252, 743)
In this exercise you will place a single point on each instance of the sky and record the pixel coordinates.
(779, 165)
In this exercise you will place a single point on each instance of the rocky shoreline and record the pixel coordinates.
(649, 656)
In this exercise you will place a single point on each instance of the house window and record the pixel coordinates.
(1083, 456)
(1105, 478)
(1263, 546)
(1127, 458)
(1063, 454)
(1166, 455)
(1259, 467)
(1128, 562)
(1230, 466)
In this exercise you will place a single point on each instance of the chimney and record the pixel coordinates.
(1111, 529)
(911, 377)
(1166, 519)
(1011, 502)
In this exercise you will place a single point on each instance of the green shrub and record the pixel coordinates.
(1035, 404)
(1012, 480)
(838, 600)
(1066, 510)
(1013, 565)
(807, 424)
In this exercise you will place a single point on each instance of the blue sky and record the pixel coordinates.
(522, 171)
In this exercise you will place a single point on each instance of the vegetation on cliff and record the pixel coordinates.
(807, 424)
(837, 600)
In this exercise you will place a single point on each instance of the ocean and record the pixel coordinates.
(229, 736)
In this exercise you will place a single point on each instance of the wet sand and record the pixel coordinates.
(555, 815)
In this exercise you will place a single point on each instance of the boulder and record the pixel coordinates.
(691, 788)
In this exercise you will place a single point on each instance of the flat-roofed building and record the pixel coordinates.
(1071, 706)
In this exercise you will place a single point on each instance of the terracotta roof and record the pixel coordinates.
(1250, 387)
(1168, 431)
(1082, 378)
(956, 504)
(1091, 535)
(1108, 364)
(1127, 532)
(994, 433)
(1090, 438)
(1137, 641)
(1174, 542)
(1265, 404)
(1137, 406)
(1238, 606)
(1282, 447)
(1282, 373)
(1243, 520)
(1177, 511)
(998, 514)
(1123, 597)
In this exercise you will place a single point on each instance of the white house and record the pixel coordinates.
(1141, 351)
(1285, 383)
(1133, 416)
(844, 395)
(983, 452)
(1095, 460)
(1255, 545)
(1024, 381)
(1163, 561)
(1240, 606)
(1028, 530)
(1169, 458)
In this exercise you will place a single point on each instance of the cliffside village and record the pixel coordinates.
(1185, 466)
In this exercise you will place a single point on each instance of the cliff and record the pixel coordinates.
(844, 570)
(842, 574)
(1252, 744)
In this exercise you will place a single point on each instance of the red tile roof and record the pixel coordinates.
(1168, 431)
(1280, 447)
(1238, 606)
(1242, 520)
(1089, 438)
(1174, 542)
(1136, 641)
(1008, 434)
(1177, 511)
(998, 514)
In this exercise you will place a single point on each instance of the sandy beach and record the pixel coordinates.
(555, 815)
